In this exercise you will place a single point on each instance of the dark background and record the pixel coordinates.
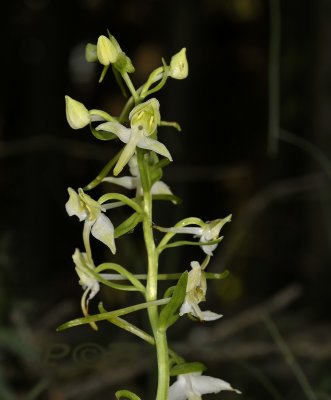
(278, 245)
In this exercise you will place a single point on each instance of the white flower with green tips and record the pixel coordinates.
(144, 119)
(196, 290)
(206, 232)
(90, 285)
(134, 182)
(193, 385)
(95, 221)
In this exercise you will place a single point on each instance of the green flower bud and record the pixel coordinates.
(179, 65)
(146, 116)
(77, 114)
(106, 51)
(91, 52)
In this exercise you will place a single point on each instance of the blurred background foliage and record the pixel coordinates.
(274, 340)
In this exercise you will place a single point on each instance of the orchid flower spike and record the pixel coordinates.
(95, 221)
(90, 285)
(196, 290)
(134, 182)
(144, 119)
(192, 386)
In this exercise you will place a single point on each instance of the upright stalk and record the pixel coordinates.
(151, 286)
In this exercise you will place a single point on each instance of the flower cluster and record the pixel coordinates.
(142, 152)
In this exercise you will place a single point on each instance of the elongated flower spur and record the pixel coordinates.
(134, 182)
(95, 221)
(144, 119)
(192, 386)
(196, 290)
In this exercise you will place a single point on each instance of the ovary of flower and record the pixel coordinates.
(95, 221)
(144, 119)
(196, 289)
(134, 182)
(192, 386)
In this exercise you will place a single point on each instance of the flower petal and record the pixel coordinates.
(210, 316)
(177, 390)
(160, 187)
(209, 248)
(103, 230)
(74, 206)
(154, 145)
(127, 152)
(117, 129)
(129, 182)
(208, 384)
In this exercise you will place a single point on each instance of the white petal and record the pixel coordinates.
(103, 230)
(177, 391)
(127, 152)
(74, 207)
(129, 182)
(207, 384)
(160, 187)
(186, 308)
(210, 316)
(154, 145)
(208, 249)
(117, 129)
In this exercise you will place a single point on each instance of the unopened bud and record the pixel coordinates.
(106, 51)
(77, 114)
(179, 65)
(91, 52)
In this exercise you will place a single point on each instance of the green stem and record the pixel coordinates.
(152, 280)
(130, 86)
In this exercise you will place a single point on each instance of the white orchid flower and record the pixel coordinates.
(192, 386)
(95, 221)
(90, 285)
(144, 119)
(134, 182)
(207, 232)
(196, 290)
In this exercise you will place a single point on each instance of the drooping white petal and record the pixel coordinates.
(74, 205)
(210, 316)
(117, 129)
(154, 145)
(127, 152)
(208, 384)
(160, 187)
(208, 249)
(128, 182)
(133, 166)
(103, 230)
(177, 391)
